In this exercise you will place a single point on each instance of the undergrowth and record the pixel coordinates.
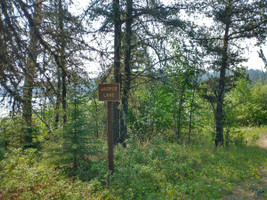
(155, 169)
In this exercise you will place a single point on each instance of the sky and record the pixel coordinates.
(255, 62)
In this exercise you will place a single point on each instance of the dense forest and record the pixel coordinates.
(191, 122)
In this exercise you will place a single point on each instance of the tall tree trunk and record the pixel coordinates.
(61, 68)
(117, 70)
(62, 61)
(58, 97)
(30, 70)
(127, 72)
(220, 99)
(27, 104)
(64, 93)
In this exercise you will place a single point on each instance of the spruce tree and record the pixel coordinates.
(76, 132)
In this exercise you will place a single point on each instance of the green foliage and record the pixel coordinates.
(25, 175)
(97, 112)
(3, 137)
(2, 148)
(249, 103)
(76, 132)
(150, 111)
(12, 130)
(168, 105)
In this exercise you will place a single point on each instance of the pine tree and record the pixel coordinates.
(76, 132)
(233, 22)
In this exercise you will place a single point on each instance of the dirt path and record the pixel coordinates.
(259, 189)
(263, 142)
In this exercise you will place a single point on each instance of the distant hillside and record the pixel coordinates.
(255, 75)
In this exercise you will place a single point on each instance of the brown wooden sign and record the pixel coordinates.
(109, 92)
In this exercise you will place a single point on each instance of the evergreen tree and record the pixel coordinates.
(76, 132)
(40, 41)
(233, 21)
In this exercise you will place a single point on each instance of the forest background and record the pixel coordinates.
(183, 127)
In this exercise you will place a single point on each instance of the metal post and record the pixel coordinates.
(110, 139)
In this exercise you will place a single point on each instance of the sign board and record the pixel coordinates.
(109, 92)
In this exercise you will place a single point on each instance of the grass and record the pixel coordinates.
(155, 169)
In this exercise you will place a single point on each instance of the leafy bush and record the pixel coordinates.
(249, 103)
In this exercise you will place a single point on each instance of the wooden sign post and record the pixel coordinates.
(109, 92)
